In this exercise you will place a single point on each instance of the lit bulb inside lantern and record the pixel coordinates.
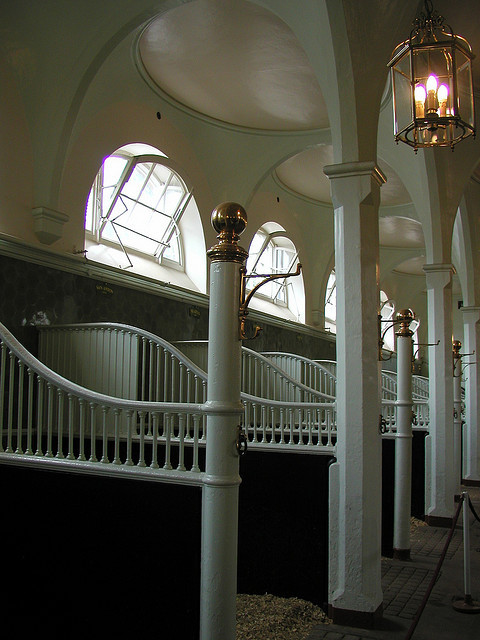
(442, 95)
(432, 84)
(420, 95)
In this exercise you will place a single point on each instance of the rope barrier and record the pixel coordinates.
(436, 572)
(472, 509)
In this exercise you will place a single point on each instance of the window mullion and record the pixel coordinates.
(175, 219)
(126, 173)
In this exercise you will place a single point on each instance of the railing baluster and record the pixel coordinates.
(81, 418)
(11, 390)
(50, 409)
(116, 417)
(104, 459)
(21, 380)
(154, 462)
(168, 439)
(141, 453)
(3, 360)
(60, 408)
(93, 433)
(71, 422)
(181, 442)
(40, 389)
(130, 417)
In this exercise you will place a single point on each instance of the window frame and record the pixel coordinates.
(99, 219)
(282, 284)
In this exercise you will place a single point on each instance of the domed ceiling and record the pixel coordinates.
(303, 173)
(236, 62)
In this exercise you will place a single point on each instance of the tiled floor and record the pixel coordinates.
(405, 584)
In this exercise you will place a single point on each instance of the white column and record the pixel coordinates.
(439, 471)
(457, 414)
(471, 439)
(221, 485)
(403, 440)
(355, 594)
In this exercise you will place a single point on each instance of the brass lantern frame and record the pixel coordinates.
(432, 50)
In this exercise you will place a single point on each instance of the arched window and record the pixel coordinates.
(331, 303)
(387, 310)
(272, 252)
(135, 210)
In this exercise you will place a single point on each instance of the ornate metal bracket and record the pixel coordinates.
(456, 346)
(403, 319)
(425, 344)
(245, 299)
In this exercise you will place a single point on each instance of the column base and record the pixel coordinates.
(470, 483)
(351, 618)
(401, 554)
(439, 521)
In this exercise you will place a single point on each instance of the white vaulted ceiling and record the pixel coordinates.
(235, 62)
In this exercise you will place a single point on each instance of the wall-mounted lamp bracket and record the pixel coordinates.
(382, 334)
(425, 344)
(245, 299)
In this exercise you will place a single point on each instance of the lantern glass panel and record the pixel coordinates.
(402, 93)
(464, 88)
(435, 61)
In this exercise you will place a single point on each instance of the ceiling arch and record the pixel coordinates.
(235, 62)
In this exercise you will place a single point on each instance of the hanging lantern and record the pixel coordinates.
(432, 86)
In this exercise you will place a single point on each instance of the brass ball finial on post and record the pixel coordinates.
(456, 346)
(229, 220)
(404, 318)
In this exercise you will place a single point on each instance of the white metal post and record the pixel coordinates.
(403, 439)
(221, 485)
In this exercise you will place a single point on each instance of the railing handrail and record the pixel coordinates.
(246, 397)
(302, 359)
(283, 373)
(134, 330)
(88, 394)
(136, 405)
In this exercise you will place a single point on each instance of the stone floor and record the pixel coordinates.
(405, 584)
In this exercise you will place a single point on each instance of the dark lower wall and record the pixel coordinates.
(117, 555)
(98, 555)
(34, 294)
(283, 525)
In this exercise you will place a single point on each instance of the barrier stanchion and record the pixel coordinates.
(467, 605)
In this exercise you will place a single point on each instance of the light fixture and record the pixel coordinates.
(432, 85)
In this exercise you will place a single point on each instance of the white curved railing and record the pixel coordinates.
(265, 377)
(161, 372)
(44, 416)
(420, 387)
(281, 410)
(321, 374)
(49, 419)
(308, 372)
(152, 368)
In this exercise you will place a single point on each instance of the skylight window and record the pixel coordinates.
(137, 202)
(272, 252)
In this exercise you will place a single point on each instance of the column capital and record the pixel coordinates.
(355, 169)
(438, 268)
(438, 275)
(472, 313)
